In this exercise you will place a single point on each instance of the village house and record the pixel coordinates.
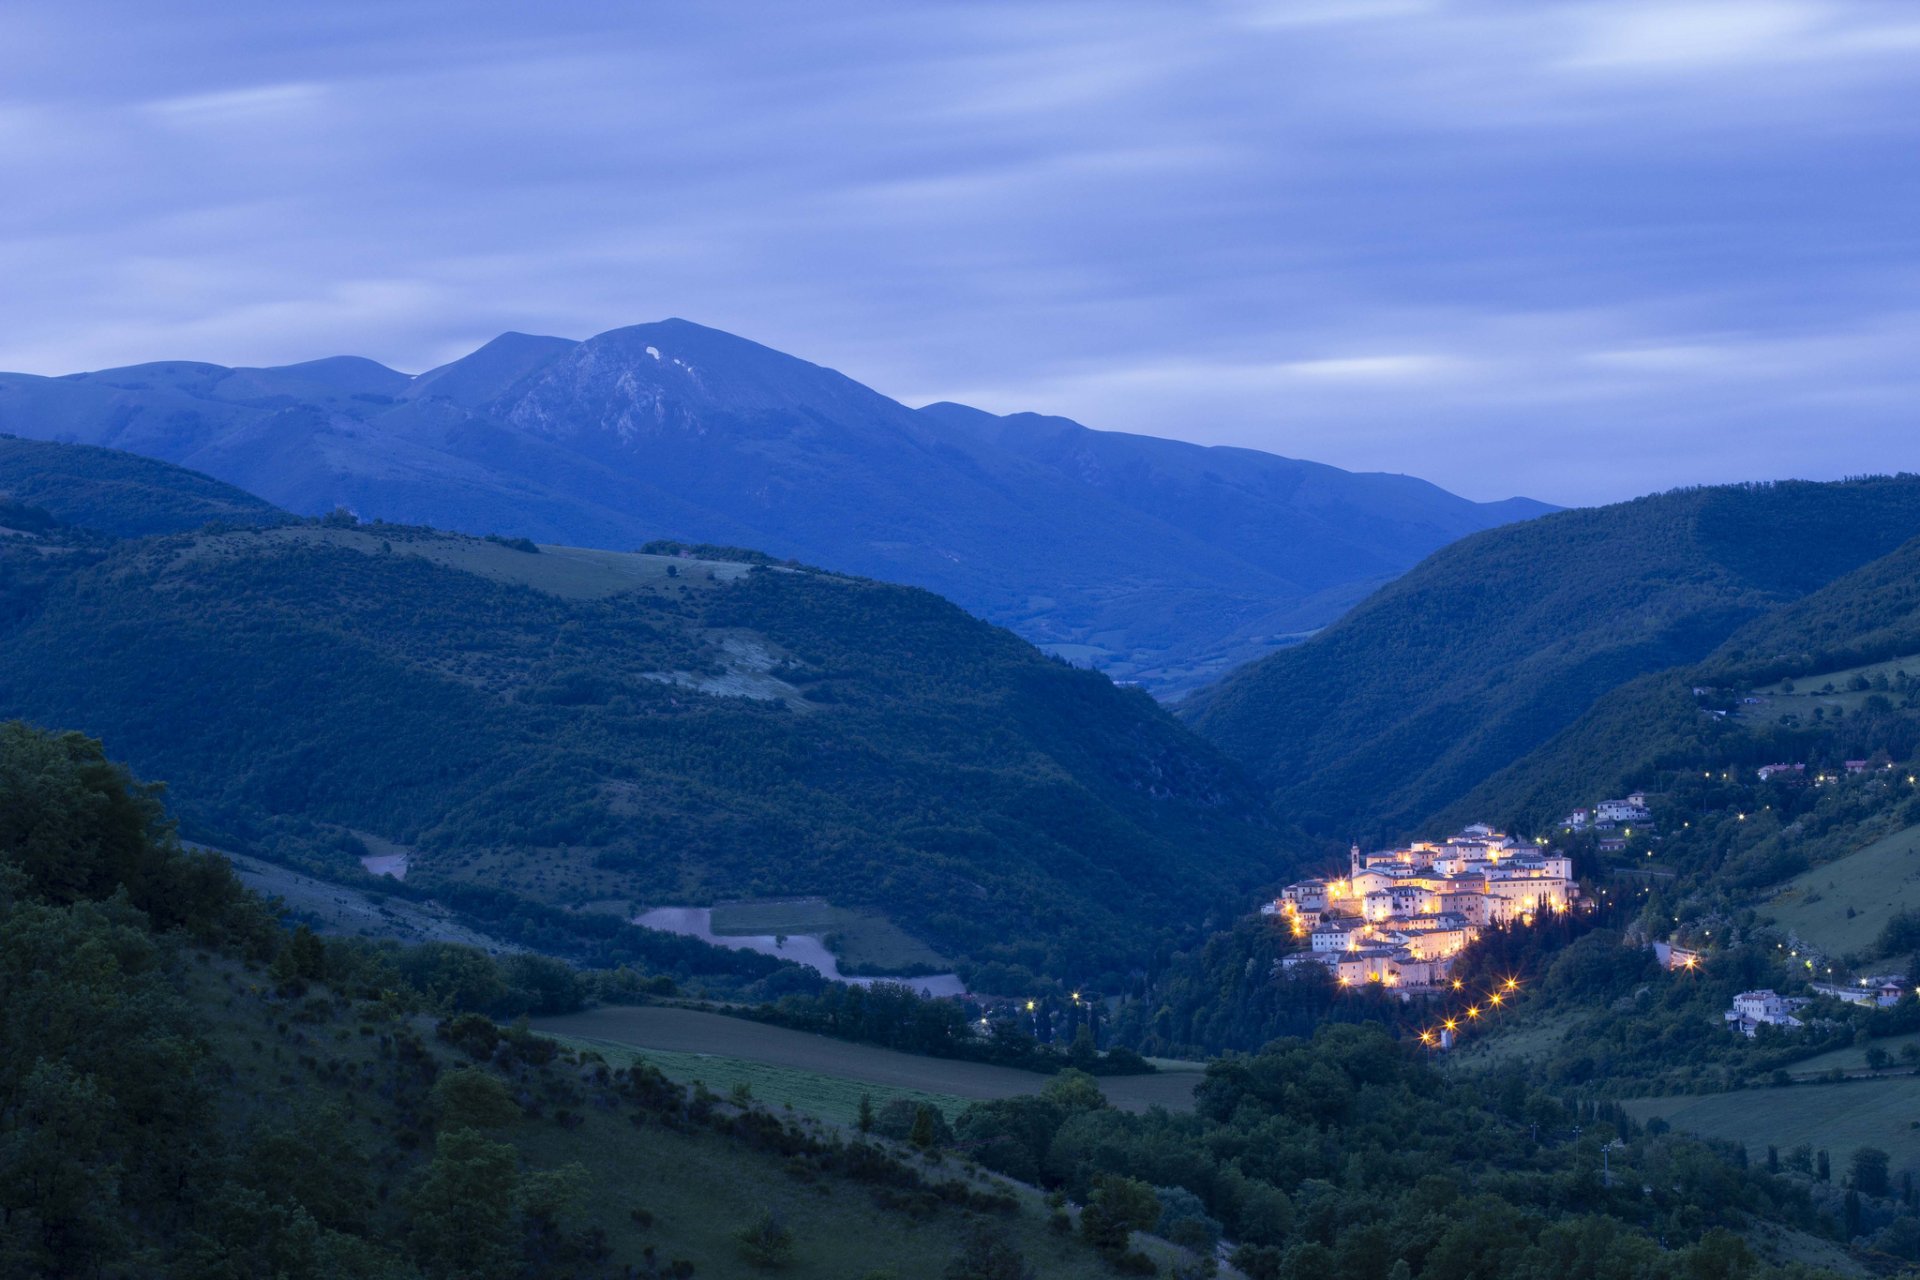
(1754, 1009)
(1769, 771)
(1631, 809)
(1400, 916)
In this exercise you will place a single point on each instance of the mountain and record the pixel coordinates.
(1160, 562)
(584, 727)
(1495, 644)
(119, 493)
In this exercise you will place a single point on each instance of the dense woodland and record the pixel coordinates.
(1000, 804)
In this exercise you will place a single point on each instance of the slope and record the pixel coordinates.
(590, 726)
(1649, 726)
(1161, 562)
(120, 493)
(1495, 644)
(192, 1090)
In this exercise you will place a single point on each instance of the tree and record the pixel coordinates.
(470, 1098)
(866, 1113)
(1074, 1090)
(1870, 1171)
(462, 1210)
(987, 1257)
(1118, 1208)
(768, 1242)
(1822, 1167)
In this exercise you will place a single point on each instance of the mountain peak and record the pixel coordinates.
(490, 371)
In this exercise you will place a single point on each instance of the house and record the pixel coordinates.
(1577, 820)
(1613, 844)
(1856, 766)
(1767, 771)
(1755, 1009)
(1341, 933)
(1631, 809)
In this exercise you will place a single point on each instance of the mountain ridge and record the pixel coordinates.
(672, 429)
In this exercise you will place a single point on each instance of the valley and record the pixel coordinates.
(689, 813)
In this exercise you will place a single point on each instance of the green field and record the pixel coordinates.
(861, 941)
(809, 1092)
(1854, 1057)
(1883, 1112)
(824, 1072)
(1874, 883)
(1808, 691)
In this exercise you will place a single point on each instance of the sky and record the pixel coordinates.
(1578, 251)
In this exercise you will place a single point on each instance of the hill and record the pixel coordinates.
(1811, 666)
(119, 493)
(581, 728)
(1160, 562)
(1497, 643)
(189, 1089)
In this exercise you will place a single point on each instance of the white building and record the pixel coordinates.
(1755, 1009)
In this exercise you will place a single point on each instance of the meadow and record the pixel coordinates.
(1843, 905)
(1882, 1112)
(819, 1074)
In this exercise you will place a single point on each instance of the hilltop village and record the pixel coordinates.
(1400, 916)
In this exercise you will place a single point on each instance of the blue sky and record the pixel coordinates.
(1574, 250)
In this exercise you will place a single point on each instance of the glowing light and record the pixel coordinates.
(1426, 1037)
(1473, 1011)
(1451, 1025)
(1456, 984)
(1496, 998)
(1512, 983)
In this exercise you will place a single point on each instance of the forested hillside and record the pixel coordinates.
(1640, 733)
(189, 1090)
(582, 727)
(120, 493)
(1493, 645)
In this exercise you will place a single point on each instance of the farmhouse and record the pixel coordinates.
(1755, 1009)
(1400, 916)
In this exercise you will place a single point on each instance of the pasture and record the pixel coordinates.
(1883, 1112)
(1843, 905)
(1854, 1057)
(1828, 691)
(664, 1029)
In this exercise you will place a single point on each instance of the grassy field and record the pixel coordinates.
(1873, 883)
(699, 1188)
(861, 941)
(809, 1092)
(1827, 691)
(863, 1068)
(1883, 1113)
(1520, 1041)
(1852, 1058)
